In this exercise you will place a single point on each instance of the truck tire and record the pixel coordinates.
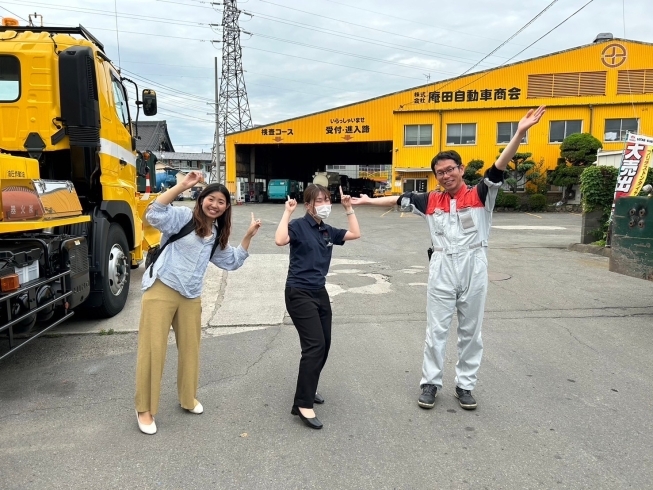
(115, 287)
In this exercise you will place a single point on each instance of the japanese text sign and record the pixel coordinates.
(634, 165)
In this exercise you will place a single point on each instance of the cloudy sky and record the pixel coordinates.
(305, 56)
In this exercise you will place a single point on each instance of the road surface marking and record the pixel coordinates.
(539, 217)
(527, 227)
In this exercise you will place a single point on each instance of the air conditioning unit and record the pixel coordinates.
(571, 196)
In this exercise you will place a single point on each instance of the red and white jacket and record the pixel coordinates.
(460, 223)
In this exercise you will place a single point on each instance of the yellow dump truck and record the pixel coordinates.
(71, 214)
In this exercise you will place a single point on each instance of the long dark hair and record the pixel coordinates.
(203, 223)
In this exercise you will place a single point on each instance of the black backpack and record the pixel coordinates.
(154, 252)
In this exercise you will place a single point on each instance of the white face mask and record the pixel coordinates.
(323, 211)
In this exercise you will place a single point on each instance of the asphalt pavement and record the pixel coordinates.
(564, 386)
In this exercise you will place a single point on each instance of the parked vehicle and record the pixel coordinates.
(280, 189)
(361, 186)
(71, 227)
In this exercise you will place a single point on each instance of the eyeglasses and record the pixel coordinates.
(441, 173)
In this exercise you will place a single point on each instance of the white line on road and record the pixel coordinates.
(527, 227)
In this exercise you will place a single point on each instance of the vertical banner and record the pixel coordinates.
(634, 166)
(632, 171)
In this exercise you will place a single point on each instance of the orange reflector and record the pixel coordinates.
(9, 283)
(8, 21)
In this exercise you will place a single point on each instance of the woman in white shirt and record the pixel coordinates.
(172, 287)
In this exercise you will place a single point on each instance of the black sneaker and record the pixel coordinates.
(465, 399)
(427, 398)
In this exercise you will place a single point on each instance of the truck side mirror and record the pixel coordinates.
(149, 102)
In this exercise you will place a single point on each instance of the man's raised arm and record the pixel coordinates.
(531, 118)
(374, 201)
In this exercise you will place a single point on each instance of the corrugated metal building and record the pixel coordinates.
(604, 88)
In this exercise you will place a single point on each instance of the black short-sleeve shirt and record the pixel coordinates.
(311, 246)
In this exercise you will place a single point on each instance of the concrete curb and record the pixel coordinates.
(590, 249)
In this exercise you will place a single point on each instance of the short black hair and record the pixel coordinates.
(446, 155)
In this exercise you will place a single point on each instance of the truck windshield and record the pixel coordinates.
(9, 78)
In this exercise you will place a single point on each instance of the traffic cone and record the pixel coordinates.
(146, 196)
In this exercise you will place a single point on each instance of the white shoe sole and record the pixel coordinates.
(462, 405)
(427, 405)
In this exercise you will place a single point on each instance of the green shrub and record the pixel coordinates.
(597, 186)
(500, 196)
(537, 202)
(510, 201)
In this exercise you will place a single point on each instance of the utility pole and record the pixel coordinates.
(231, 99)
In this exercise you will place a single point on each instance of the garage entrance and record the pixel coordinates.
(257, 164)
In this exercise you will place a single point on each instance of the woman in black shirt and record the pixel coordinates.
(307, 301)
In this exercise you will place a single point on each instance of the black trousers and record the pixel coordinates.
(311, 313)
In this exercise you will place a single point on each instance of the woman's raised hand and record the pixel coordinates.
(345, 200)
(291, 205)
(192, 179)
(254, 226)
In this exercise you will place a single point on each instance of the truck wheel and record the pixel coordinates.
(116, 273)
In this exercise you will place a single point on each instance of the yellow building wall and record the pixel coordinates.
(386, 116)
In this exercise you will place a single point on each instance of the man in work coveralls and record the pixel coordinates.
(459, 220)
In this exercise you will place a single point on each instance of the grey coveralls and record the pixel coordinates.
(460, 228)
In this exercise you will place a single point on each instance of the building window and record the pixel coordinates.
(559, 130)
(415, 185)
(418, 135)
(505, 132)
(461, 134)
(616, 129)
(9, 79)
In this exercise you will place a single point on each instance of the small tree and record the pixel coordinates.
(472, 175)
(577, 152)
(519, 170)
(538, 178)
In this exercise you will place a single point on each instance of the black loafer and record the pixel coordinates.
(313, 423)
(318, 399)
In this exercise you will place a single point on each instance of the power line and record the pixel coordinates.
(370, 28)
(100, 12)
(207, 26)
(15, 15)
(530, 45)
(363, 39)
(342, 34)
(169, 88)
(297, 43)
(413, 21)
(525, 26)
(246, 71)
(329, 63)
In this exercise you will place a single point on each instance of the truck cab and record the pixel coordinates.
(71, 216)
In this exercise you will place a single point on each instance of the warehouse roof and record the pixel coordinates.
(170, 155)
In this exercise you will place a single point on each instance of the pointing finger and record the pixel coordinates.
(252, 216)
(341, 190)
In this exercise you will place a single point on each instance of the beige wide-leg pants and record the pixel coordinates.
(161, 307)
